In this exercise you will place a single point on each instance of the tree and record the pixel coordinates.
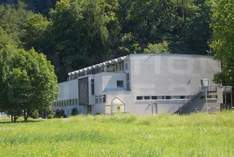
(157, 48)
(6, 39)
(35, 27)
(223, 39)
(80, 33)
(27, 81)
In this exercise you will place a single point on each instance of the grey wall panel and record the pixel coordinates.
(84, 91)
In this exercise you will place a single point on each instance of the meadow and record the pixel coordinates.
(196, 135)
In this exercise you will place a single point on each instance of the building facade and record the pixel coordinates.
(143, 84)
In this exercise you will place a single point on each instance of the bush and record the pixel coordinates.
(50, 115)
(35, 114)
(60, 113)
(74, 112)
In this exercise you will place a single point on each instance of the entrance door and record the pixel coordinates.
(117, 106)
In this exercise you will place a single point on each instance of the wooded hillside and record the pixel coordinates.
(77, 33)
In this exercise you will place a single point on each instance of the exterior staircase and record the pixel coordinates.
(206, 100)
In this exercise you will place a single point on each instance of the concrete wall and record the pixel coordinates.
(68, 90)
(170, 74)
(106, 81)
(167, 75)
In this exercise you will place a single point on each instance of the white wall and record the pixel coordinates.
(68, 90)
(107, 81)
(170, 74)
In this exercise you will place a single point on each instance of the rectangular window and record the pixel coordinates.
(127, 81)
(104, 98)
(96, 99)
(154, 97)
(139, 97)
(146, 97)
(175, 97)
(168, 97)
(120, 83)
(92, 87)
(182, 97)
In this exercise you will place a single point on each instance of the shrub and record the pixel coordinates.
(60, 113)
(74, 112)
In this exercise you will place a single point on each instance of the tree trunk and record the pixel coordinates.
(25, 115)
(12, 120)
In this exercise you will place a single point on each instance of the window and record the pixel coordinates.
(120, 83)
(127, 82)
(126, 66)
(146, 97)
(139, 97)
(154, 97)
(92, 87)
(182, 97)
(104, 98)
(168, 97)
(96, 99)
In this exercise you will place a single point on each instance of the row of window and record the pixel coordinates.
(66, 102)
(108, 68)
(160, 97)
(100, 99)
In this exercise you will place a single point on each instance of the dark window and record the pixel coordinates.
(139, 97)
(120, 83)
(127, 82)
(92, 87)
(104, 98)
(154, 97)
(182, 97)
(146, 97)
(168, 97)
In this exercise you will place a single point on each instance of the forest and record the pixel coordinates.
(77, 33)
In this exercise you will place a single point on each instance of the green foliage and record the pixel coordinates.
(35, 28)
(128, 44)
(12, 20)
(223, 39)
(6, 39)
(78, 33)
(197, 135)
(157, 48)
(27, 81)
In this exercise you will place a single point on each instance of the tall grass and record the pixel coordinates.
(197, 135)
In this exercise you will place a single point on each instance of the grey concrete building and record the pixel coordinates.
(143, 84)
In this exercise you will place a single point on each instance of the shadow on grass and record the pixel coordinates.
(21, 121)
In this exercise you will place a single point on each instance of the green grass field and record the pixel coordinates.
(198, 135)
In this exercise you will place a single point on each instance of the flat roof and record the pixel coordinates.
(116, 60)
(171, 54)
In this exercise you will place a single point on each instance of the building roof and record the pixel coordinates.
(116, 60)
